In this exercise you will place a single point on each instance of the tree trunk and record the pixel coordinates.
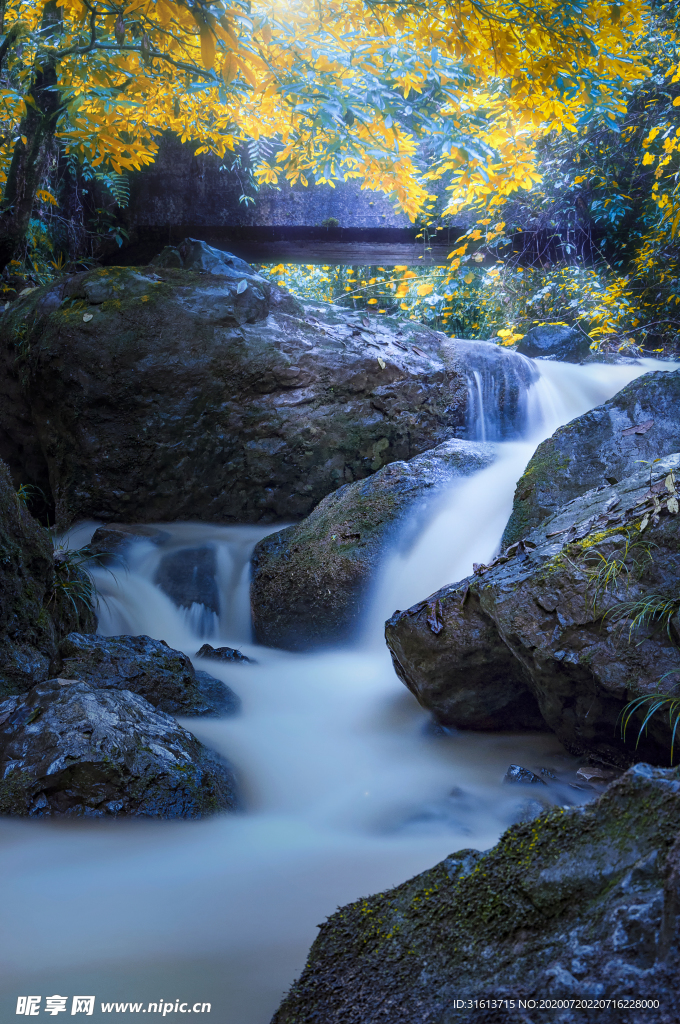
(38, 127)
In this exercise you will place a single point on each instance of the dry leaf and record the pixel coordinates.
(382, 363)
(670, 483)
(643, 524)
(672, 505)
(241, 287)
(88, 317)
(639, 428)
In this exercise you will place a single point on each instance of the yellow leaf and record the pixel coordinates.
(229, 68)
(207, 48)
(469, 278)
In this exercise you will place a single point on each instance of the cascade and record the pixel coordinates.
(347, 788)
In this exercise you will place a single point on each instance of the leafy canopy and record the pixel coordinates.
(345, 87)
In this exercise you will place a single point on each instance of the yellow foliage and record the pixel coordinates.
(240, 73)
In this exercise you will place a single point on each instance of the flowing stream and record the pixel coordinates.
(347, 787)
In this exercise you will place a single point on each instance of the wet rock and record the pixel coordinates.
(35, 605)
(601, 447)
(164, 677)
(565, 344)
(545, 610)
(113, 539)
(578, 903)
(310, 582)
(517, 774)
(71, 749)
(217, 695)
(222, 654)
(447, 651)
(188, 577)
(283, 301)
(154, 394)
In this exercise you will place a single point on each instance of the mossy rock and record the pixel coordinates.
(576, 904)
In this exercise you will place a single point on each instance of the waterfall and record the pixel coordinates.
(347, 788)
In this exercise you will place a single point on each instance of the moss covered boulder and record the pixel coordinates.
(310, 582)
(571, 917)
(38, 602)
(603, 446)
(563, 622)
(161, 393)
(71, 749)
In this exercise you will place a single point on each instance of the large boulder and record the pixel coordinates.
(310, 582)
(164, 677)
(161, 393)
(565, 617)
(40, 599)
(640, 423)
(68, 748)
(555, 341)
(573, 916)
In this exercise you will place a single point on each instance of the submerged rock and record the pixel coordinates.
(603, 446)
(222, 654)
(556, 615)
(581, 903)
(164, 677)
(164, 393)
(566, 344)
(310, 582)
(39, 598)
(189, 576)
(523, 776)
(71, 749)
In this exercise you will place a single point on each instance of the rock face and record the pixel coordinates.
(35, 608)
(576, 904)
(551, 624)
(565, 344)
(68, 748)
(164, 677)
(310, 581)
(164, 393)
(606, 444)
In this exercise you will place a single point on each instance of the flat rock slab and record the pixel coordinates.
(574, 904)
(164, 677)
(540, 630)
(311, 581)
(74, 750)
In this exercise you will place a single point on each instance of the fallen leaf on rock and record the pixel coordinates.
(381, 361)
(672, 506)
(241, 287)
(88, 317)
(365, 321)
(639, 428)
(420, 353)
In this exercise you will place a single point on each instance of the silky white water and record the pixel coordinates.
(347, 789)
